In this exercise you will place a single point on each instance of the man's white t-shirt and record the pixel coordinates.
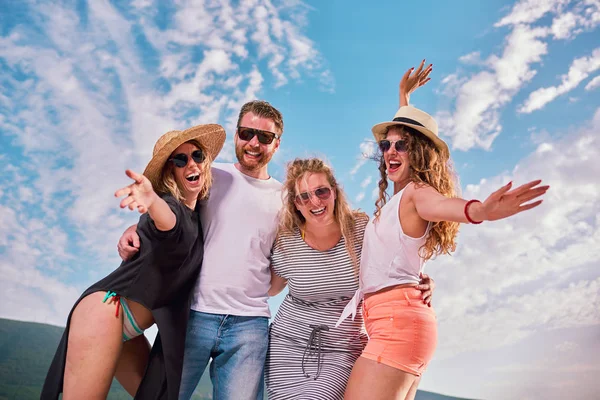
(239, 220)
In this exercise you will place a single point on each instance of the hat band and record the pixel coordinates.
(408, 121)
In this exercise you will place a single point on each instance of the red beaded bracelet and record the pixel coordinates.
(467, 214)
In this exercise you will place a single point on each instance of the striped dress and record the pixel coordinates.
(308, 357)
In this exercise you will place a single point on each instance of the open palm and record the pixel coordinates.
(140, 194)
(411, 81)
(505, 202)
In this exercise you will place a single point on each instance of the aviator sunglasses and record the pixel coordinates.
(264, 137)
(322, 193)
(180, 160)
(400, 145)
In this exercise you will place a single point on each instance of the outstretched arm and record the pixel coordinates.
(140, 195)
(411, 81)
(503, 203)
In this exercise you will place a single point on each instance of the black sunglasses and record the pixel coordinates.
(322, 193)
(264, 137)
(400, 145)
(180, 160)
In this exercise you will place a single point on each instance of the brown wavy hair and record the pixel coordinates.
(168, 184)
(292, 219)
(428, 166)
(262, 109)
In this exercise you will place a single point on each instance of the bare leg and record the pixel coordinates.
(132, 363)
(372, 380)
(94, 345)
(413, 389)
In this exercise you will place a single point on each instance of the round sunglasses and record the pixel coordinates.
(264, 137)
(322, 193)
(400, 145)
(180, 160)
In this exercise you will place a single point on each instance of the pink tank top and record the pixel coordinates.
(389, 256)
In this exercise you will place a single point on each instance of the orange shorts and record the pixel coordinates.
(402, 330)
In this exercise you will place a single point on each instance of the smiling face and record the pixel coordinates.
(188, 177)
(252, 154)
(317, 209)
(396, 162)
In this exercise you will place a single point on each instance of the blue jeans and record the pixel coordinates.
(238, 348)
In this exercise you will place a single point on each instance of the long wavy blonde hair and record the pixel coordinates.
(168, 184)
(292, 219)
(428, 166)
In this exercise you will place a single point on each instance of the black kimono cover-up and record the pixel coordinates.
(161, 277)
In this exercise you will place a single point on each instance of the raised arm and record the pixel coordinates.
(432, 206)
(277, 284)
(142, 197)
(411, 81)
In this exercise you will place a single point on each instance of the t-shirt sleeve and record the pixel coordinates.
(147, 227)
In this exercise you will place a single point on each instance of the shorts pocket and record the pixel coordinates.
(379, 321)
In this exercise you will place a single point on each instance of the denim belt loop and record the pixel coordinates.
(314, 347)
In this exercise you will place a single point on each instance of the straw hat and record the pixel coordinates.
(211, 136)
(416, 119)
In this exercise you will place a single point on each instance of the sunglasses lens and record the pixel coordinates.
(180, 160)
(264, 137)
(198, 156)
(323, 193)
(246, 134)
(401, 146)
(302, 198)
(384, 145)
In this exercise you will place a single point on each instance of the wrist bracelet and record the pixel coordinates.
(467, 214)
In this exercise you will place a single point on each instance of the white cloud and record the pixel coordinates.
(366, 182)
(375, 193)
(368, 149)
(579, 70)
(471, 58)
(88, 100)
(363, 185)
(593, 84)
(567, 346)
(533, 272)
(477, 100)
(528, 11)
(563, 25)
(476, 119)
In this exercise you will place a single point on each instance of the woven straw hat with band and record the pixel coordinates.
(416, 119)
(211, 136)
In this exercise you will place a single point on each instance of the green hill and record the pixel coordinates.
(27, 348)
(26, 351)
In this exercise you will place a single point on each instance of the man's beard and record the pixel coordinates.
(257, 164)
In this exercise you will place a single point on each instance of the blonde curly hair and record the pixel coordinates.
(292, 219)
(428, 166)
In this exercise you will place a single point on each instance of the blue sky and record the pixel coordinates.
(87, 88)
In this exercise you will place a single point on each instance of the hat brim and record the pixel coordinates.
(380, 130)
(210, 136)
